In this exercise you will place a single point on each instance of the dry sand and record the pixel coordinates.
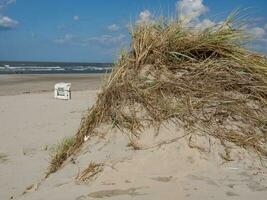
(32, 123)
(36, 83)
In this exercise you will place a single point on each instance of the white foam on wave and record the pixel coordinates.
(90, 68)
(33, 68)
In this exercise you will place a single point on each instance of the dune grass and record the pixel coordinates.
(89, 172)
(60, 153)
(3, 158)
(204, 81)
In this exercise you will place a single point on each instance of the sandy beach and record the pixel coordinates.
(33, 122)
(36, 83)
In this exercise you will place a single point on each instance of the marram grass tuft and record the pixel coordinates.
(204, 81)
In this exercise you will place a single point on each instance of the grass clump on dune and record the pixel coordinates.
(61, 153)
(204, 81)
(87, 174)
(3, 158)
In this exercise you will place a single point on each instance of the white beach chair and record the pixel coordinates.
(62, 91)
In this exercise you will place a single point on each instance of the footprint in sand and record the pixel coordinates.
(231, 194)
(82, 197)
(208, 180)
(106, 183)
(256, 187)
(28, 151)
(116, 192)
(231, 185)
(163, 179)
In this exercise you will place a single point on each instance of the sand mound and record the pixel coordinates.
(204, 82)
(106, 169)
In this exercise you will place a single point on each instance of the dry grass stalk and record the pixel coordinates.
(3, 158)
(89, 172)
(134, 145)
(61, 154)
(205, 81)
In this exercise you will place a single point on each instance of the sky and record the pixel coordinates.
(97, 30)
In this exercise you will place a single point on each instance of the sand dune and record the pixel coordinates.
(172, 171)
(32, 123)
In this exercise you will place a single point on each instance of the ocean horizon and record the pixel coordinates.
(31, 67)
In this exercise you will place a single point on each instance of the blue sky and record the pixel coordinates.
(96, 30)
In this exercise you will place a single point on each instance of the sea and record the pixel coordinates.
(15, 67)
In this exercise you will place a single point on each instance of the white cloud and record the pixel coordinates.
(191, 12)
(144, 17)
(257, 32)
(102, 40)
(33, 34)
(107, 39)
(113, 27)
(76, 18)
(190, 8)
(259, 45)
(5, 3)
(7, 22)
(205, 23)
(66, 39)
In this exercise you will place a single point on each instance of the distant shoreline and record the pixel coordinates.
(51, 73)
(16, 67)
